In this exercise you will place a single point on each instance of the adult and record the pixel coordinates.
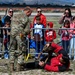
(42, 16)
(56, 64)
(20, 28)
(66, 16)
(7, 16)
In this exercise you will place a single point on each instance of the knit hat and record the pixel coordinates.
(50, 24)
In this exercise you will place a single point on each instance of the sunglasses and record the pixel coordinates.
(38, 11)
(66, 12)
(10, 11)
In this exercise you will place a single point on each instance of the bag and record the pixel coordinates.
(3, 20)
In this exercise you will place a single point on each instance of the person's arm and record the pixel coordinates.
(44, 21)
(54, 36)
(62, 19)
(51, 68)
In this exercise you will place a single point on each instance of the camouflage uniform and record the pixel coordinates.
(20, 25)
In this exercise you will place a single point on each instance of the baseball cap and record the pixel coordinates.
(39, 9)
(50, 24)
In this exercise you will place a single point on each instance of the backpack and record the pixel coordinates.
(3, 20)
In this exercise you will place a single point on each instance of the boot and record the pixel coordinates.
(12, 67)
(18, 67)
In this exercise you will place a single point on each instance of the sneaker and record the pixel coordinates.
(6, 56)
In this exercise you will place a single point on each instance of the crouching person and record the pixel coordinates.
(59, 63)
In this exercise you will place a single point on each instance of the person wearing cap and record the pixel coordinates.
(50, 34)
(20, 28)
(42, 16)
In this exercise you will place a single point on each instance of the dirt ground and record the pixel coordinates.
(5, 71)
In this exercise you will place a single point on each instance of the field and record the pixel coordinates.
(4, 69)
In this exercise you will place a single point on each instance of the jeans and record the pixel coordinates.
(72, 47)
(39, 47)
(65, 45)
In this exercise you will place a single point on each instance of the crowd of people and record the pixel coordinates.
(17, 29)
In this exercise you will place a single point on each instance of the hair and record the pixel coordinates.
(67, 22)
(65, 58)
(27, 9)
(73, 18)
(38, 18)
(70, 15)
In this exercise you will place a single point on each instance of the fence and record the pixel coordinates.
(32, 44)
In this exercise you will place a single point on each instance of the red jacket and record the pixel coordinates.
(55, 63)
(56, 47)
(50, 35)
(42, 21)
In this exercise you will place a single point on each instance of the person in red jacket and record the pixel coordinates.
(42, 16)
(50, 34)
(59, 63)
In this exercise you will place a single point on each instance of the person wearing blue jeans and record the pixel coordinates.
(72, 47)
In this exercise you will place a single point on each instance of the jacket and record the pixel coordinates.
(56, 66)
(42, 21)
(50, 35)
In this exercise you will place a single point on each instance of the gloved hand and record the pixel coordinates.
(21, 35)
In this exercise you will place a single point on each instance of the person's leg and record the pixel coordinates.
(37, 49)
(71, 47)
(67, 46)
(13, 44)
(74, 45)
(41, 48)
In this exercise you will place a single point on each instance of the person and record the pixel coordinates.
(50, 34)
(8, 15)
(42, 16)
(65, 36)
(58, 63)
(6, 39)
(53, 49)
(72, 45)
(1, 38)
(20, 28)
(38, 35)
(66, 16)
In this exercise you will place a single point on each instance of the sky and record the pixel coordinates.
(39, 1)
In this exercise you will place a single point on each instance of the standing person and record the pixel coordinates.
(42, 16)
(72, 41)
(20, 28)
(1, 38)
(66, 16)
(38, 35)
(66, 36)
(50, 34)
(7, 16)
(6, 38)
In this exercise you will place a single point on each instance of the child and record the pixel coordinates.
(72, 41)
(6, 38)
(66, 36)
(38, 34)
(50, 34)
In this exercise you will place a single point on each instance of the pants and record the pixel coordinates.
(72, 46)
(65, 45)
(39, 47)
(17, 50)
